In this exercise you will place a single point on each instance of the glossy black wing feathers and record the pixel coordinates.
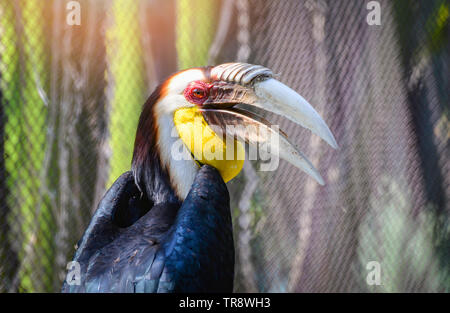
(132, 245)
(97, 252)
(200, 252)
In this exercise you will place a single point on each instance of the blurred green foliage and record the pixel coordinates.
(195, 31)
(23, 67)
(127, 85)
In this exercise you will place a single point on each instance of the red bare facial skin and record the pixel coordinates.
(197, 92)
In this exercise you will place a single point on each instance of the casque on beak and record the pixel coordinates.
(254, 85)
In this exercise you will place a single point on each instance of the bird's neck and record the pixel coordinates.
(159, 173)
(180, 165)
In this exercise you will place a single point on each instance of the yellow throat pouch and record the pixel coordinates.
(206, 146)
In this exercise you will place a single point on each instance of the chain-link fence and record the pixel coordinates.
(71, 96)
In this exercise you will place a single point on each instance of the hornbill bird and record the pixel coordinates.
(165, 226)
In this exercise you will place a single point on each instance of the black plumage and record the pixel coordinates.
(174, 247)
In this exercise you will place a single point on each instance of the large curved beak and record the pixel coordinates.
(254, 85)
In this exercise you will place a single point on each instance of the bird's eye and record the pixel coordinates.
(198, 93)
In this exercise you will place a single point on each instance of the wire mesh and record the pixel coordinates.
(71, 96)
